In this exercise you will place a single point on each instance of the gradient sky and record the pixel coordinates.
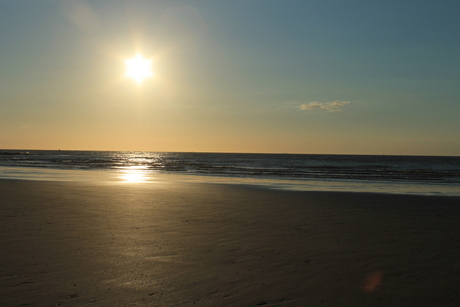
(309, 76)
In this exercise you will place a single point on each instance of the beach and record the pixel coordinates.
(201, 244)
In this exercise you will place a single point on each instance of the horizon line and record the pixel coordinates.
(236, 152)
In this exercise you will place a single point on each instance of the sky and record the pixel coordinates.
(286, 76)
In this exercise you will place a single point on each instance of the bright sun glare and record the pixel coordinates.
(138, 68)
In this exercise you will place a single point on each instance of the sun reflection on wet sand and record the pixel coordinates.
(134, 175)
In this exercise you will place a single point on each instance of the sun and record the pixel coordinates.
(138, 68)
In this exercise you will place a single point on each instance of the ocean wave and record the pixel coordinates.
(444, 170)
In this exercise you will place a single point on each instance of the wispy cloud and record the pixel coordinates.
(332, 106)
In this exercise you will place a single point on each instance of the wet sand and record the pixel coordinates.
(189, 244)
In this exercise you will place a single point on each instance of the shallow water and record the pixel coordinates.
(139, 176)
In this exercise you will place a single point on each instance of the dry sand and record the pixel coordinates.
(188, 244)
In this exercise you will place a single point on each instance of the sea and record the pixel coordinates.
(424, 175)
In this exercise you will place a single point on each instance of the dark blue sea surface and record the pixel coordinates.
(382, 168)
